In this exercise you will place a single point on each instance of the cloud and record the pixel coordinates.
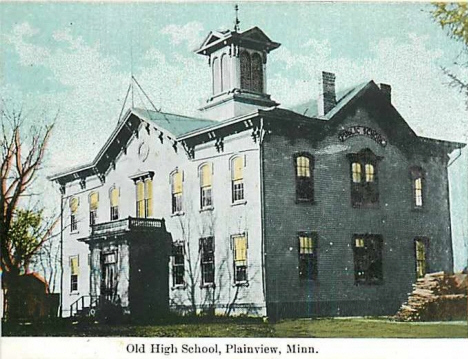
(189, 33)
(419, 88)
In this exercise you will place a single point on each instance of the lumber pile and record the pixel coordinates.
(436, 296)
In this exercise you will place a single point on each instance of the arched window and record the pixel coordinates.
(237, 179)
(369, 172)
(304, 164)
(93, 206)
(226, 73)
(74, 204)
(176, 185)
(114, 203)
(417, 179)
(245, 68)
(364, 186)
(205, 186)
(356, 172)
(257, 73)
(216, 68)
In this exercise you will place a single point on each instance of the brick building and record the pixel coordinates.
(331, 208)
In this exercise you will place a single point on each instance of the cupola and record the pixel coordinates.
(238, 72)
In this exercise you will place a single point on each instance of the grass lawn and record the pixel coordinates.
(290, 328)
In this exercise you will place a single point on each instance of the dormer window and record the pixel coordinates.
(364, 179)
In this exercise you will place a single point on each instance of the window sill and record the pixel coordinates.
(239, 203)
(206, 209)
(244, 283)
(207, 286)
(175, 214)
(179, 287)
(75, 231)
(368, 284)
(305, 201)
(75, 293)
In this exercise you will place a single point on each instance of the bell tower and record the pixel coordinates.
(238, 72)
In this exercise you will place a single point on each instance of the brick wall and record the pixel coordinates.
(335, 221)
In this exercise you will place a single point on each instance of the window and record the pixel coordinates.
(114, 203)
(364, 179)
(245, 65)
(216, 68)
(307, 255)
(420, 247)
(240, 258)
(176, 181)
(251, 71)
(205, 186)
(226, 73)
(207, 260)
(417, 179)
(148, 198)
(144, 198)
(178, 264)
(93, 206)
(257, 73)
(237, 179)
(74, 271)
(304, 163)
(74, 204)
(367, 259)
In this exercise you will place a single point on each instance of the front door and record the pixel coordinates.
(109, 277)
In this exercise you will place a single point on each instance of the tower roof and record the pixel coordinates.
(253, 38)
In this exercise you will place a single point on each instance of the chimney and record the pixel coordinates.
(327, 96)
(386, 91)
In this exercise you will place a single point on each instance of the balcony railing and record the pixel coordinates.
(125, 225)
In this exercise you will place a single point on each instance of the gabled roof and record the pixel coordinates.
(173, 125)
(251, 38)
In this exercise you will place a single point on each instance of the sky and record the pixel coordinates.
(76, 59)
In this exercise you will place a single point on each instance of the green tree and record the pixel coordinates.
(23, 228)
(453, 17)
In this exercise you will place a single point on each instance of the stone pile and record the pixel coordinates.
(436, 296)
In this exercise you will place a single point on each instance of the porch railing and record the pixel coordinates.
(126, 224)
(85, 302)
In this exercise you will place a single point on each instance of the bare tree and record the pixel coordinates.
(23, 227)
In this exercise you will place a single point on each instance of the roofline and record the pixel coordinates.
(218, 125)
(451, 144)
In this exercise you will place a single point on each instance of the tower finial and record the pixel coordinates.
(237, 22)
